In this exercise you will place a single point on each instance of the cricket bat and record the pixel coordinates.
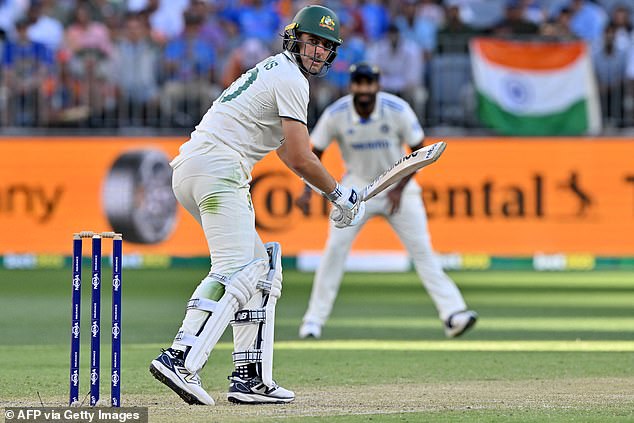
(405, 166)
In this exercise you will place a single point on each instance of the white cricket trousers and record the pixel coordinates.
(410, 224)
(214, 188)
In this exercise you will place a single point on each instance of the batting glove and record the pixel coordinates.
(347, 209)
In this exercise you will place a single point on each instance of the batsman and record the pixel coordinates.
(265, 109)
(371, 128)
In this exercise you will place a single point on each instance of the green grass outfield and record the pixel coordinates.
(548, 347)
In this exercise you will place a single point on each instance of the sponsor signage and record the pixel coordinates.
(502, 197)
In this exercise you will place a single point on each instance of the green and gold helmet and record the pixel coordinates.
(316, 20)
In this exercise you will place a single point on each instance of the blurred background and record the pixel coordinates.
(154, 66)
(535, 99)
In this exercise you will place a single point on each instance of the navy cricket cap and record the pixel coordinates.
(364, 70)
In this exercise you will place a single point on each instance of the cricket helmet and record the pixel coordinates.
(316, 20)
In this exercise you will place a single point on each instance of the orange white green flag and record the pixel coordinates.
(535, 88)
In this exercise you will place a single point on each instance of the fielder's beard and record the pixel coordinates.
(364, 103)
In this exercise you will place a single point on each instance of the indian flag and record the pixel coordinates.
(535, 88)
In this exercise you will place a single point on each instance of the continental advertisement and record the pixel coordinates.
(493, 197)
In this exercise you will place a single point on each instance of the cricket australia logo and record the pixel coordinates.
(76, 282)
(95, 280)
(94, 329)
(75, 330)
(116, 283)
(115, 378)
(327, 22)
(94, 377)
(74, 379)
(115, 331)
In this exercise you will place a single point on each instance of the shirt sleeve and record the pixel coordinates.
(323, 132)
(411, 131)
(292, 99)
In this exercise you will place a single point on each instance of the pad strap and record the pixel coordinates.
(243, 317)
(202, 304)
(241, 358)
(264, 285)
(185, 339)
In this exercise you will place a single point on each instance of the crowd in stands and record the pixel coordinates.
(162, 62)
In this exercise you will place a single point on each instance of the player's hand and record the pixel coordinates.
(394, 198)
(303, 201)
(347, 210)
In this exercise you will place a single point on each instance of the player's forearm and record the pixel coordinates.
(296, 153)
(313, 172)
(307, 165)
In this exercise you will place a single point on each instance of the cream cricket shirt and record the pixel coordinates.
(247, 115)
(369, 146)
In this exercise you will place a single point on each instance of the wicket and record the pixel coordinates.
(95, 313)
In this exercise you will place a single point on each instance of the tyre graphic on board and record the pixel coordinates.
(138, 198)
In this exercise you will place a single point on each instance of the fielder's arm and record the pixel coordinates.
(401, 184)
(394, 194)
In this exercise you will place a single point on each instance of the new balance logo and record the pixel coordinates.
(188, 377)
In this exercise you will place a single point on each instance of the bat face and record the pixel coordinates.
(406, 165)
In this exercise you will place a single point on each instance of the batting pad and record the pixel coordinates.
(241, 287)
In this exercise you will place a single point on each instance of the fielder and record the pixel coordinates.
(370, 128)
(265, 109)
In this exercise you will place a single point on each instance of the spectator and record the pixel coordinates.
(588, 21)
(349, 11)
(258, 20)
(465, 10)
(28, 67)
(243, 58)
(86, 36)
(137, 91)
(43, 28)
(214, 25)
(533, 11)
(514, 22)
(558, 28)
(415, 27)
(222, 33)
(401, 62)
(433, 11)
(455, 35)
(376, 19)
(165, 17)
(609, 65)
(628, 103)
(623, 27)
(189, 69)
(10, 12)
(67, 104)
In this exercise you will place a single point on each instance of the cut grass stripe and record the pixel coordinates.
(533, 346)
(554, 324)
(449, 345)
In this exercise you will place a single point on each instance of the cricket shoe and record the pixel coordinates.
(310, 329)
(169, 369)
(254, 391)
(460, 322)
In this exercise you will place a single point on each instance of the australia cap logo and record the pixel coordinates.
(327, 22)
